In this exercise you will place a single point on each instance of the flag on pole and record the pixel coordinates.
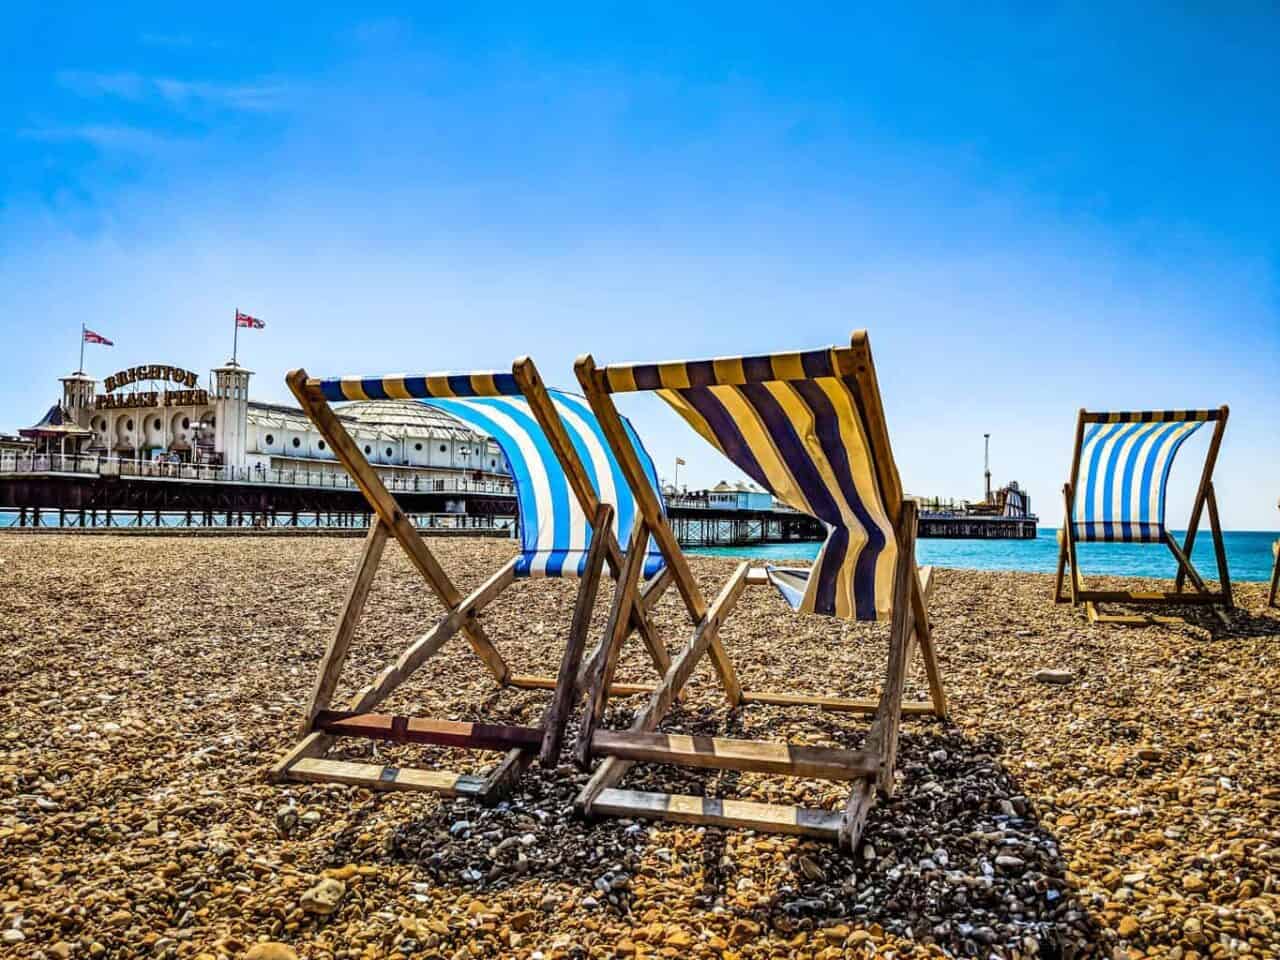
(680, 462)
(91, 337)
(244, 320)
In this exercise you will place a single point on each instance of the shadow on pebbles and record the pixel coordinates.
(957, 858)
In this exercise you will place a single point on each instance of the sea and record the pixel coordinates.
(1249, 555)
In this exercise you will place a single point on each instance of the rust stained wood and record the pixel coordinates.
(566, 681)
(384, 504)
(446, 733)
(739, 814)
(756, 756)
(340, 642)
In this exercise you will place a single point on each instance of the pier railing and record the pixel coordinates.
(395, 480)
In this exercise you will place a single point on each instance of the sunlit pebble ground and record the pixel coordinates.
(148, 684)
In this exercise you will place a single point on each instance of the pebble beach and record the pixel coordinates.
(1098, 790)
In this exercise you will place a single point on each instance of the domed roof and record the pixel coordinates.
(408, 417)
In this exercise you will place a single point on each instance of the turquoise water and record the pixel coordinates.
(1248, 555)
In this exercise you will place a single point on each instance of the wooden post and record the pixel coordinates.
(346, 450)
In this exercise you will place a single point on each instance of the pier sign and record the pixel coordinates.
(150, 371)
(152, 398)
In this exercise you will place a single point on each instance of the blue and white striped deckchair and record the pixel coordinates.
(810, 428)
(1116, 493)
(555, 534)
(576, 517)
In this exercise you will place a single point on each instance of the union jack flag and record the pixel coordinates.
(91, 337)
(244, 320)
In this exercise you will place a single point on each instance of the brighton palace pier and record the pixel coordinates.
(159, 440)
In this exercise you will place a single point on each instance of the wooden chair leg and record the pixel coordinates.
(340, 641)
(924, 633)
(1275, 578)
(566, 681)
(1219, 547)
(617, 629)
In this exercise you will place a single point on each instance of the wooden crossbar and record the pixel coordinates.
(446, 733)
(372, 776)
(756, 756)
(707, 811)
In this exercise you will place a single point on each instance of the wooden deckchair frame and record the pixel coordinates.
(870, 768)
(1273, 596)
(320, 726)
(1205, 497)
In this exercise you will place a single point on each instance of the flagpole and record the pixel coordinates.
(677, 480)
(235, 337)
(81, 367)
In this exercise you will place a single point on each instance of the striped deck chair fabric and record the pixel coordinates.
(555, 536)
(797, 427)
(1124, 470)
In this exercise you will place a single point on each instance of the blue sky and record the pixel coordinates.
(1030, 212)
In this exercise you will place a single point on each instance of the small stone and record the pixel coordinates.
(743, 931)
(324, 897)
(286, 820)
(1045, 675)
(61, 950)
(522, 920)
(151, 828)
(1193, 883)
(811, 870)
(120, 918)
(1150, 754)
(271, 951)
(1128, 927)
(1010, 863)
(461, 829)
(13, 936)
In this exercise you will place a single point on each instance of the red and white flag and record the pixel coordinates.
(91, 337)
(244, 320)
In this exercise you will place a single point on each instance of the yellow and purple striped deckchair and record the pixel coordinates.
(1116, 493)
(810, 428)
(571, 501)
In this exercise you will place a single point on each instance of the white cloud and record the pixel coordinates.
(182, 94)
(119, 138)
